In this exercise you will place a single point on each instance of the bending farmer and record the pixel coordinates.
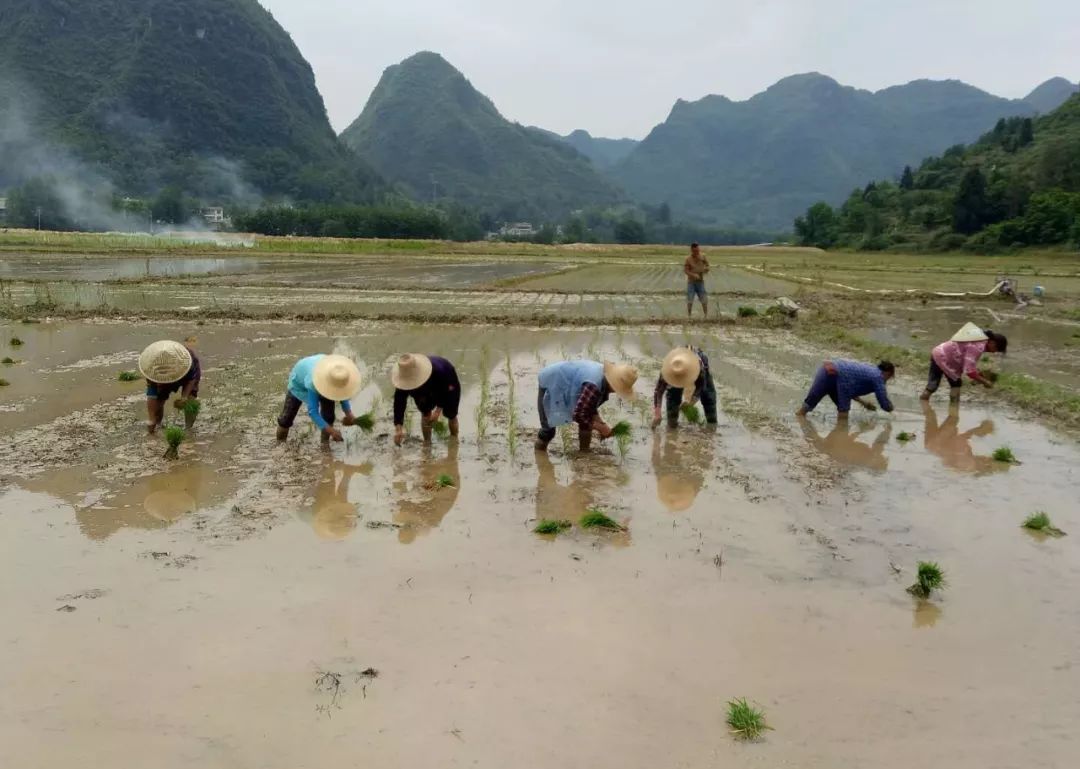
(686, 379)
(320, 382)
(845, 381)
(573, 391)
(433, 385)
(169, 367)
(959, 356)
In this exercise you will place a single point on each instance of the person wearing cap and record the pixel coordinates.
(845, 381)
(169, 367)
(685, 378)
(573, 391)
(320, 382)
(959, 356)
(432, 383)
(696, 268)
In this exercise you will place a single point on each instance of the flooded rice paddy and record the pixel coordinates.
(256, 604)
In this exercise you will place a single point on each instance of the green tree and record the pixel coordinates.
(35, 205)
(629, 231)
(907, 179)
(971, 207)
(168, 206)
(820, 227)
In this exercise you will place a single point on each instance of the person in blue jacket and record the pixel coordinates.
(320, 382)
(573, 391)
(844, 381)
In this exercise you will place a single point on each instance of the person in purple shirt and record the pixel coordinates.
(845, 381)
(433, 385)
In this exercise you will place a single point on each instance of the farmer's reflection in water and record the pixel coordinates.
(954, 447)
(333, 516)
(680, 461)
(843, 444)
(423, 505)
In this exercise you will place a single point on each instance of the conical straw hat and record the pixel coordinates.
(411, 371)
(970, 333)
(621, 378)
(336, 378)
(165, 362)
(681, 368)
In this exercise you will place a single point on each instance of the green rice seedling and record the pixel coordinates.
(746, 721)
(691, 413)
(4, 383)
(548, 526)
(129, 376)
(904, 437)
(16, 342)
(366, 422)
(748, 312)
(174, 436)
(485, 393)
(1041, 523)
(596, 518)
(192, 407)
(622, 428)
(440, 429)
(1005, 454)
(511, 406)
(444, 481)
(929, 577)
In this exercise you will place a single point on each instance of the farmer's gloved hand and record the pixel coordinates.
(399, 435)
(349, 420)
(333, 433)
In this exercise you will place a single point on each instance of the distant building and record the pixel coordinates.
(215, 216)
(3, 210)
(518, 230)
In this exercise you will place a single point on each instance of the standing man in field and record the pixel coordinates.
(573, 391)
(959, 356)
(685, 378)
(845, 381)
(696, 268)
(320, 382)
(432, 383)
(170, 367)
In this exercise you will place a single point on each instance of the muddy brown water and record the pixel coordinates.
(222, 610)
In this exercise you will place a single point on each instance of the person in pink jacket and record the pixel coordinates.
(960, 356)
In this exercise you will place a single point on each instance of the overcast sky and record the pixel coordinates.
(615, 67)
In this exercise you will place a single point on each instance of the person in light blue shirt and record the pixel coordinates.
(320, 382)
(845, 381)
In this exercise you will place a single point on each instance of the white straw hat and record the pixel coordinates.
(165, 362)
(411, 371)
(336, 378)
(621, 378)
(681, 368)
(970, 333)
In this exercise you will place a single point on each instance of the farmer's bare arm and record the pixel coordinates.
(601, 427)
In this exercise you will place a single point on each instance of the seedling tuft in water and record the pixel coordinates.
(444, 481)
(174, 436)
(129, 376)
(9, 361)
(929, 577)
(621, 431)
(595, 518)
(746, 721)
(4, 383)
(1005, 454)
(16, 342)
(192, 407)
(905, 437)
(1041, 523)
(691, 413)
(440, 428)
(366, 422)
(747, 312)
(547, 526)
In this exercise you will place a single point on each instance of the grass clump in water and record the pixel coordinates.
(595, 518)
(746, 721)
(444, 481)
(905, 437)
(748, 312)
(16, 342)
(548, 526)
(1041, 523)
(366, 422)
(1005, 454)
(174, 436)
(8, 361)
(929, 577)
(128, 376)
(691, 413)
(4, 383)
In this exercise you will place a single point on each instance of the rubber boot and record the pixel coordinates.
(282, 433)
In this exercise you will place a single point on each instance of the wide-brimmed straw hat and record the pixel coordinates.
(336, 378)
(410, 371)
(165, 362)
(621, 378)
(681, 368)
(970, 333)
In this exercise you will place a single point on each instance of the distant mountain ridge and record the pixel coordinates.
(758, 163)
(1051, 94)
(604, 153)
(426, 127)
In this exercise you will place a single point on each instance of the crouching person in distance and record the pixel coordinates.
(320, 382)
(573, 391)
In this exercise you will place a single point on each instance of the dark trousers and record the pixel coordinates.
(824, 384)
(936, 375)
(292, 408)
(708, 402)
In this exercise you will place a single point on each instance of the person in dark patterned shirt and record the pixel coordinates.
(573, 391)
(432, 383)
(686, 379)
